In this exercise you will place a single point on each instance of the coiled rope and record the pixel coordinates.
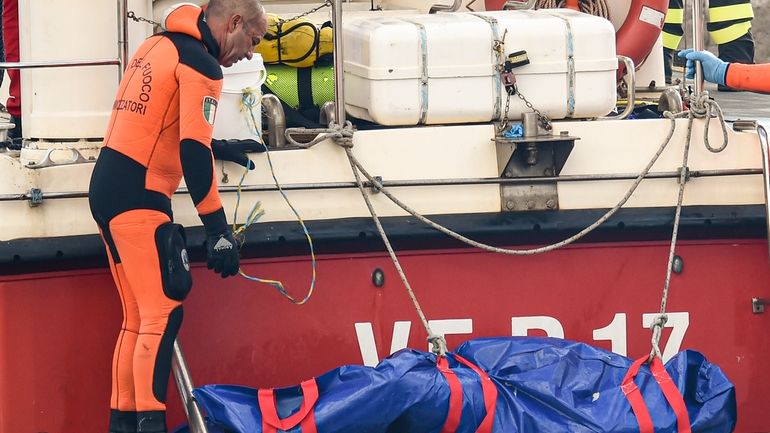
(248, 103)
(592, 7)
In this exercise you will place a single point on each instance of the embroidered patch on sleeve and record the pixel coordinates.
(209, 109)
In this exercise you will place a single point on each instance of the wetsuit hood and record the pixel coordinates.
(189, 19)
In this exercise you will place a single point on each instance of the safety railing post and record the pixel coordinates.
(339, 86)
(122, 36)
(185, 386)
(762, 128)
(697, 41)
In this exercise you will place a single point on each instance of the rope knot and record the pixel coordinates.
(657, 330)
(438, 344)
(342, 135)
(700, 105)
(659, 322)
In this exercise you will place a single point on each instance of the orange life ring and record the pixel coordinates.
(638, 34)
(641, 29)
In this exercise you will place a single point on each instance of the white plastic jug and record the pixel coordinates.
(231, 121)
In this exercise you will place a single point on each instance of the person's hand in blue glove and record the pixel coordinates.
(235, 150)
(714, 69)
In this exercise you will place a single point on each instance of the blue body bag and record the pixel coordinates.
(540, 384)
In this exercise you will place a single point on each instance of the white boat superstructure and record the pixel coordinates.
(445, 169)
(559, 172)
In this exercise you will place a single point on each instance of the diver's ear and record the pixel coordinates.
(233, 23)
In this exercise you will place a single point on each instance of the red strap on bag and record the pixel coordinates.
(304, 416)
(456, 396)
(670, 391)
(489, 390)
(672, 394)
(634, 397)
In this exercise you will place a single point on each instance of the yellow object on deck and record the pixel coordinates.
(297, 42)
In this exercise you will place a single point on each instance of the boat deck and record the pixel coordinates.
(741, 105)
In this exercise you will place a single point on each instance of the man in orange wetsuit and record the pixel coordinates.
(755, 78)
(160, 130)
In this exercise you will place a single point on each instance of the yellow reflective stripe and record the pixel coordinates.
(674, 16)
(730, 13)
(671, 41)
(731, 33)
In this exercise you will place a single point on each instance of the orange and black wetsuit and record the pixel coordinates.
(160, 130)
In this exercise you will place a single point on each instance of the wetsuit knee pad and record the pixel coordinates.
(174, 262)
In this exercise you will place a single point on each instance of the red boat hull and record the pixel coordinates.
(57, 329)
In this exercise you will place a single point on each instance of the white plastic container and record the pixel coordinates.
(68, 103)
(230, 120)
(441, 68)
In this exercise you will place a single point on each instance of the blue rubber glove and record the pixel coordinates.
(714, 69)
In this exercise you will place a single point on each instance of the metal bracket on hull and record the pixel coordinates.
(47, 161)
(35, 197)
(532, 157)
(758, 305)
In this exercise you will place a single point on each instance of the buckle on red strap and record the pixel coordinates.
(304, 416)
(670, 392)
(488, 388)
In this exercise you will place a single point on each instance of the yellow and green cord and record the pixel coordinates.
(248, 103)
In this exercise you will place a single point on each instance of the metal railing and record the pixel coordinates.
(432, 182)
(59, 64)
(697, 42)
(185, 386)
(122, 21)
(339, 85)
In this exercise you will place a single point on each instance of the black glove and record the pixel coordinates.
(235, 150)
(222, 254)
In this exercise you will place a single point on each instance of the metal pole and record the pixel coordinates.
(22, 196)
(763, 143)
(697, 42)
(59, 64)
(339, 86)
(185, 386)
(122, 36)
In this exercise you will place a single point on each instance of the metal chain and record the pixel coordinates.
(131, 15)
(545, 121)
(304, 14)
(504, 123)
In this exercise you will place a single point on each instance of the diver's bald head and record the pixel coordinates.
(237, 26)
(222, 9)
